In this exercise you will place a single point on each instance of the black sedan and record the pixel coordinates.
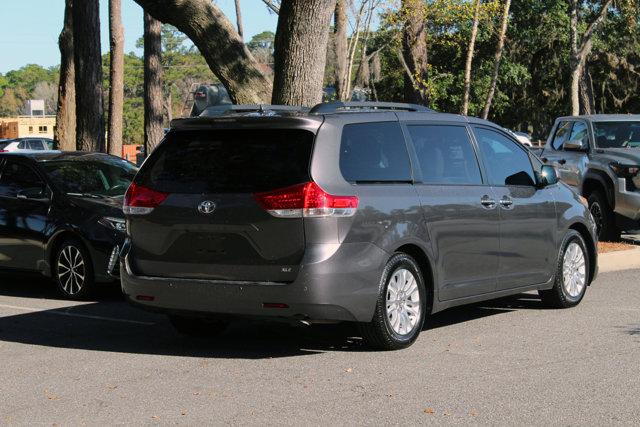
(61, 215)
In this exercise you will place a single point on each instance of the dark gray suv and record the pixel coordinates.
(365, 212)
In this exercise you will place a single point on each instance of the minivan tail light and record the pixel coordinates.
(306, 200)
(141, 200)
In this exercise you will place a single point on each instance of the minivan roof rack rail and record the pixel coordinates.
(259, 108)
(334, 107)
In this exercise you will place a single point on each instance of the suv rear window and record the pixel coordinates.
(229, 161)
(374, 152)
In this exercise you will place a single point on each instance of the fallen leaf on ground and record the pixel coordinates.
(50, 396)
(429, 411)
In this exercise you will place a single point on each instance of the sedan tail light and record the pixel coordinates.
(141, 200)
(306, 200)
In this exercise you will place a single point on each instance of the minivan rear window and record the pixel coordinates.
(229, 161)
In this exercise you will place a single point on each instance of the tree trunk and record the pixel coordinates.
(88, 76)
(574, 60)
(353, 46)
(116, 78)
(581, 49)
(470, 52)
(498, 59)
(66, 115)
(220, 44)
(239, 20)
(153, 99)
(168, 106)
(414, 52)
(586, 94)
(341, 40)
(300, 51)
(363, 73)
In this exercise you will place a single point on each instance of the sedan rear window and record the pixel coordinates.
(229, 161)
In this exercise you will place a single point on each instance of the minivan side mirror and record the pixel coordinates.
(576, 145)
(547, 176)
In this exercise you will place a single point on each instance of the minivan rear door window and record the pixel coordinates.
(445, 154)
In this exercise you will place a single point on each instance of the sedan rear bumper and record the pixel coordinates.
(336, 283)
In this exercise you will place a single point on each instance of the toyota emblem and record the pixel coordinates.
(207, 207)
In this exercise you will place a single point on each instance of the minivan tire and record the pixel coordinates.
(197, 327)
(559, 296)
(72, 258)
(604, 217)
(380, 333)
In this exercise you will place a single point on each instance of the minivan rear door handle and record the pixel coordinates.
(488, 202)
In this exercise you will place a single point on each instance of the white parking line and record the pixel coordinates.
(66, 313)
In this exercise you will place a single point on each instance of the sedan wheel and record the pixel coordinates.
(73, 271)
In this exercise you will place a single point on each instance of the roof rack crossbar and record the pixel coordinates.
(333, 107)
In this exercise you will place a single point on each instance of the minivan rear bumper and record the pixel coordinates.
(337, 282)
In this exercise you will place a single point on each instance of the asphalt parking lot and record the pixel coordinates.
(508, 361)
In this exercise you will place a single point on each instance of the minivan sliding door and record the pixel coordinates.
(459, 209)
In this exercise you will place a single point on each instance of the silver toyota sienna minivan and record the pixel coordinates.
(374, 213)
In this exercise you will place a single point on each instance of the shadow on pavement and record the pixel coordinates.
(32, 285)
(109, 324)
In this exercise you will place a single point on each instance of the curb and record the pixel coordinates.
(619, 260)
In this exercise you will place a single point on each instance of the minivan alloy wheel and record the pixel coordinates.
(574, 270)
(403, 302)
(72, 270)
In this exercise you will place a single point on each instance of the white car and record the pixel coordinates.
(522, 137)
(25, 144)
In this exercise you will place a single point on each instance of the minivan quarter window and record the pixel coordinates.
(445, 154)
(374, 153)
(506, 161)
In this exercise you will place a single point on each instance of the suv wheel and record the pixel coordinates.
(401, 306)
(197, 327)
(572, 274)
(73, 271)
(604, 217)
